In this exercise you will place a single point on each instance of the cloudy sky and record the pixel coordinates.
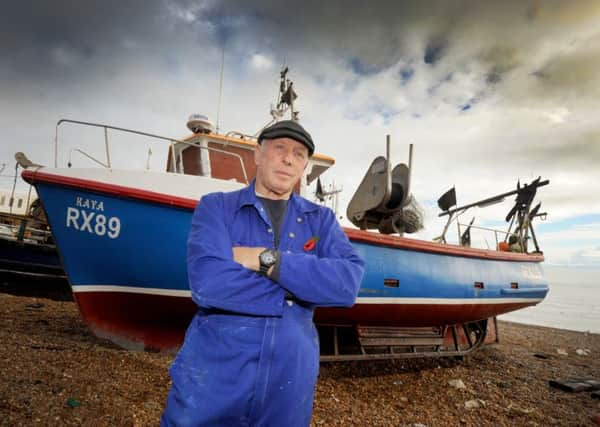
(488, 92)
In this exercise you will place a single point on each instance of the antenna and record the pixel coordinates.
(220, 86)
(285, 100)
(148, 159)
(331, 195)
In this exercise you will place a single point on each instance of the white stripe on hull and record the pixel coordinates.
(133, 290)
(359, 300)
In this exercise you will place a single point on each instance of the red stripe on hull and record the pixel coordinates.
(144, 321)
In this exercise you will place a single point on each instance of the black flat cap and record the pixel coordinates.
(288, 129)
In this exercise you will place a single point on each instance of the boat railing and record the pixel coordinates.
(13, 203)
(240, 135)
(520, 217)
(495, 231)
(107, 163)
(19, 229)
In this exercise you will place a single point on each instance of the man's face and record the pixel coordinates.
(279, 164)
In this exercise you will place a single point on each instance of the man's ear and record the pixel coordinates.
(256, 154)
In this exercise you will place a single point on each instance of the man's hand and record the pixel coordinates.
(247, 256)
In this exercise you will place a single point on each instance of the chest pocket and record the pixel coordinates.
(297, 231)
(247, 228)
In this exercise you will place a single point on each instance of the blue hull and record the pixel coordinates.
(148, 251)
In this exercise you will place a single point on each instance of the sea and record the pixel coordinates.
(572, 303)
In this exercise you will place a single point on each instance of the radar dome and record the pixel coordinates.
(199, 123)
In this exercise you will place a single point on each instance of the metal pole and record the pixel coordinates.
(22, 228)
(28, 199)
(220, 86)
(173, 160)
(410, 150)
(458, 225)
(291, 92)
(410, 158)
(106, 145)
(56, 146)
(508, 232)
(535, 242)
(387, 149)
(388, 165)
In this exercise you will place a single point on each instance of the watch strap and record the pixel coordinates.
(264, 269)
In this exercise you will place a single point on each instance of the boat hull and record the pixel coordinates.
(139, 321)
(29, 259)
(124, 252)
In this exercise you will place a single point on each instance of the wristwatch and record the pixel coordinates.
(267, 259)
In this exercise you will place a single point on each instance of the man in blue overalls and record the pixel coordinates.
(259, 261)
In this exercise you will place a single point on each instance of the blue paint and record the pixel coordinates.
(426, 275)
(154, 238)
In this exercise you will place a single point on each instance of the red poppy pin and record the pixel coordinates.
(311, 243)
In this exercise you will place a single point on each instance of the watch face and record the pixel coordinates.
(268, 258)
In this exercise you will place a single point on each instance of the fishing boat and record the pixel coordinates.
(27, 248)
(122, 237)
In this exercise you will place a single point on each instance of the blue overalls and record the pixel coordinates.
(251, 357)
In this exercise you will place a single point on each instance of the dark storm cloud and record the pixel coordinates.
(493, 39)
(435, 50)
(62, 41)
(41, 25)
(367, 37)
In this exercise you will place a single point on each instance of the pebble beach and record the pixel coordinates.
(55, 372)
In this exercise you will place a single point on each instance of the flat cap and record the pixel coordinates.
(288, 129)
